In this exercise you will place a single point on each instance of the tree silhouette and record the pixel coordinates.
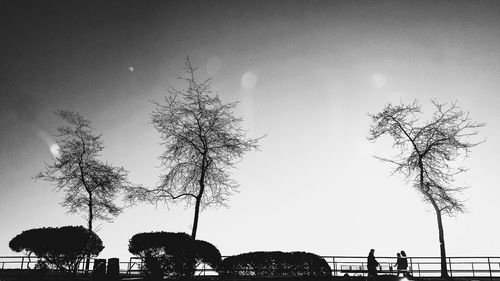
(63, 247)
(203, 140)
(426, 151)
(91, 186)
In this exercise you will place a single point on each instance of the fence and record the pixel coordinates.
(425, 266)
(420, 266)
(130, 267)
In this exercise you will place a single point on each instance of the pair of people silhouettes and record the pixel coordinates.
(401, 263)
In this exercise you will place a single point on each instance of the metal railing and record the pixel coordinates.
(131, 267)
(424, 266)
(419, 266)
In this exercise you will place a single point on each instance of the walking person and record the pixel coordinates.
(400, 264)
(404, 264)
(372, 264)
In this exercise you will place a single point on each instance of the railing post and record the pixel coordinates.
(334, 266)
(489, 266)
(129, 266)
(418, 265)
(22, 262)
(473, 273)
(451, 270)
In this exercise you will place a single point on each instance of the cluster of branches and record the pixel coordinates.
(90, 185)
(427, 149)
(203, 140)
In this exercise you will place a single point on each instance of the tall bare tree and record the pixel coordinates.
(91, 186)
(426, 150)
(203, 140)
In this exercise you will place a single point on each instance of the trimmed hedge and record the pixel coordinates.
(207, 253)
(63, 247)
(172, 254)
(275, 264)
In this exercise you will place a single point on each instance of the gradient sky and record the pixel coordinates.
(306, 73)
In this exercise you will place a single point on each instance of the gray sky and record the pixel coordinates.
(306, 73)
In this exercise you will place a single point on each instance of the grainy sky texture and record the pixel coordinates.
(306, 73)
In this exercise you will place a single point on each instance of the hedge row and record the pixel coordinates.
(275, 264)
(164, 254)
(172, 254)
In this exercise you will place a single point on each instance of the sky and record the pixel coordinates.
(305, 73)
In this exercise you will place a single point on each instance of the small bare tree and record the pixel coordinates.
(426, 151)
(91, 186)
(203, 140)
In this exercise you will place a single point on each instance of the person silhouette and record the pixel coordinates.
(404, 264)
(372, 264)
(399, 264)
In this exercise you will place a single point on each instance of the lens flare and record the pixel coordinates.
(379, 80)
(248, 81)
(214, 65)
(49, 141)
(54, 149)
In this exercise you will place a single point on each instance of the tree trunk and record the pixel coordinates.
(201, 182)
(197, 207)
(444, 270)
(196, 216)
(425, 190)
(442, 248)
(91, 217)
(192, 265)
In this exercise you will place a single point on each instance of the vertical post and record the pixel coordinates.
(418, 266)
(473, 273)
(22, 262)
(113, 269)
(99, 270)
(449, 265)
(489, 266)
(334, 266)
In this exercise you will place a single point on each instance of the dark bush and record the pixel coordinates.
(173, 254)
(275, 264)
(63, 247)
(207, 253)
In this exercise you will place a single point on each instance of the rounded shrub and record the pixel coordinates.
(62, 247)
(275, 264)
(207, 253)
(172, 254)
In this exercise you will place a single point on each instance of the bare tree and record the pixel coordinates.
(426, 151)
(91, 186)
(203, 140)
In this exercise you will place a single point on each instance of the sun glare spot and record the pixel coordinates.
(248, 81)
(379, 80)
(214, 65)
(54, 149)
(131, 68)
